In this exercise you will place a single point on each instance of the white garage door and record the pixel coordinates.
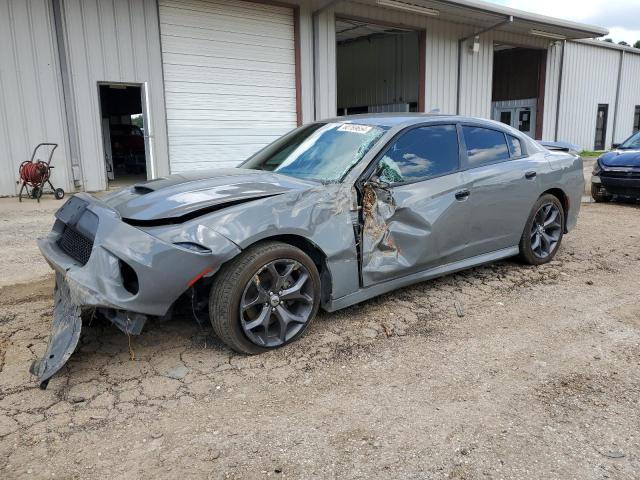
(229, 71)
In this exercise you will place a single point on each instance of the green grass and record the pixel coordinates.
(589, 153)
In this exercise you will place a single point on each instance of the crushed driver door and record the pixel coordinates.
(416, 218)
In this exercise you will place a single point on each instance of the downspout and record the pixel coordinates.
(560, 75)
(617, 104)
(77, 169)
(508, 20)
(314, 48)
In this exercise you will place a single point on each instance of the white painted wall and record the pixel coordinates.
(113, 41)
(31, 108)
(589, 79)
(629, 95)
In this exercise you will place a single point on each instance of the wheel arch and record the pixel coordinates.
(315, 253)
(564, 201)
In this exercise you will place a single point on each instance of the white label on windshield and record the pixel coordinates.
(353, 128)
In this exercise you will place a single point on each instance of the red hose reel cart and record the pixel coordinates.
(34, 174)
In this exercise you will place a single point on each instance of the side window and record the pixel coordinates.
(484, 146)
(515, 146)
(421, 153)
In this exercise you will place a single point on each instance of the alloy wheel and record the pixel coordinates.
(546, 230)
(277, 303)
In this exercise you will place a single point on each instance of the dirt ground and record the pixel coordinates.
(504, 371)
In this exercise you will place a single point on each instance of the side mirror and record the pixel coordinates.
(615, 145)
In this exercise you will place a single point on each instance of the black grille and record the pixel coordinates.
(628, 174)
(76, 245)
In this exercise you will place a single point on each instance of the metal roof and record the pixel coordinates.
(483, 14)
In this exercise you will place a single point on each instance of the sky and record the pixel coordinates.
(621, 17)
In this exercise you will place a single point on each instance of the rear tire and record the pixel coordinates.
(265, 298)
(598, 196)
(543, 231)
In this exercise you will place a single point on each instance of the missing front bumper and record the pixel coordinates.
(65, 333)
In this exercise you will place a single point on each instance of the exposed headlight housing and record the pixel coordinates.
(597, 169)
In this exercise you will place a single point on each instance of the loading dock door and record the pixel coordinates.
(230, 86)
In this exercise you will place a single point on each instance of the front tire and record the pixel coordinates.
(598, 195)
(543, 231)
(265, 298)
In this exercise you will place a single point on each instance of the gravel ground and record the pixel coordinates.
(504, 371)
(20, 224)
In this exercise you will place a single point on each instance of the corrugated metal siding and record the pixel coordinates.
(390, 65)
(31, 109)
(325, 65)
(629, 95)
(441, 66)
(589, 79)
(229, 68)
(113, 41)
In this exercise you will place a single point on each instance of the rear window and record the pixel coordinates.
(515, 146)
(484, 146)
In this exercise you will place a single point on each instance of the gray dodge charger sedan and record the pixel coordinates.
(329, 215)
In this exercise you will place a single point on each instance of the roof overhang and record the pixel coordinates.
(484, 15)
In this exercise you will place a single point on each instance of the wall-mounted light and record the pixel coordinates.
(475, 46)
(408, 7)
(541, 33)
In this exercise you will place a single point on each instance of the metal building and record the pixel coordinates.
(135, 89)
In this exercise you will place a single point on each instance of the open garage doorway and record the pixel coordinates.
(123, 133)
(380, 68)
(518, 88)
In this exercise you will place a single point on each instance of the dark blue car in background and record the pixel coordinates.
(618, 172)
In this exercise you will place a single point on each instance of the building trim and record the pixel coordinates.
(422, 70)
(559, 97)
(542, 79)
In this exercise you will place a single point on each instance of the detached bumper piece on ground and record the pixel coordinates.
(65, 333)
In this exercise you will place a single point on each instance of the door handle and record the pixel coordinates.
(530, 175)
(463, 194)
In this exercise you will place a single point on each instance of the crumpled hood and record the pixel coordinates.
(621, 158)
(185, 194)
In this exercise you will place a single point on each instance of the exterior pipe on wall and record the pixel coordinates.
(617, 104)
(464, 39)
(560, 74)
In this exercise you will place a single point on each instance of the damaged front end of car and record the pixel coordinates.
(106, 266)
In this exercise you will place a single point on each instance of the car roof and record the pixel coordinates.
(406, 119)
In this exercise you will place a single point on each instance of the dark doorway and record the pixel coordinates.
(123, 133)
(518, 88)
(379, 67)
(601, 127)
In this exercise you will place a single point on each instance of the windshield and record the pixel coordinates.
(632, 142)
(321, 151)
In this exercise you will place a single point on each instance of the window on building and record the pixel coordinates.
(484, 146)
(515, 146)
(421, 153)
(636, 119)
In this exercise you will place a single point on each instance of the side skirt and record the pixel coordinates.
(385, 287)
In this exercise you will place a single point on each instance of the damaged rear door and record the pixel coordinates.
(414, 207)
